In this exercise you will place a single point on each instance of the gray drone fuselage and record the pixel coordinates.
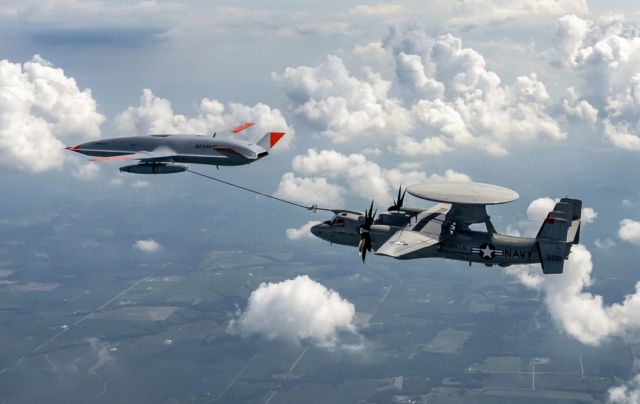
(193, 149)
(444, 230)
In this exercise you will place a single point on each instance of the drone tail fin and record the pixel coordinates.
(559, 231)
(270, 139)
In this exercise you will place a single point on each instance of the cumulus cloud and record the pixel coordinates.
(605, 53)
(538, 209)
(588, 215)
(578, 110)
(296, 310)
(361, 176)
(477, 108)
(582, 314)
(40, 109)
(148, 246)
(629, 231)
(301, 232)
(572, 31)
(628, 392)
(604, 243)
(341, 105)
(309, 190)
(86, 171)
(453, 99)
(155, 115)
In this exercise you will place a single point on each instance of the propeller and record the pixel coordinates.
(398, 203)
(365, 235)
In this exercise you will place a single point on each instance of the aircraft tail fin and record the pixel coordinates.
(560, 230)
(270, 139)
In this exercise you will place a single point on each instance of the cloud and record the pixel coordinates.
(379, 10)
(294, 311)
(140, 184)
(477, 108)
(309, 191)
(604, 243)
(626, 393)
(155, 115)
(102, 351)
(582, 314)
(605, 54)
(86, 171)
(148, 246)
(363, 177)
(539, 208)
(40, 109)
(629, 231)
(340, 105)
(452, 101)
(572, 31)
(578, 110)
(77, 14)
(483, 12)
(301, 232)
(588, 215)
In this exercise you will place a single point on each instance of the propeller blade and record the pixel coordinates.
(399, 202)
(365, 237)
(361, 246)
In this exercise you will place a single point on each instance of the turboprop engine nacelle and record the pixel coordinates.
(158, 168)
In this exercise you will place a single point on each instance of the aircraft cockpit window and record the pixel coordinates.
(338, 222)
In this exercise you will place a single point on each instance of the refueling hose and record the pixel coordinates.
(312, 208)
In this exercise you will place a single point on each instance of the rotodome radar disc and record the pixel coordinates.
(469, 193)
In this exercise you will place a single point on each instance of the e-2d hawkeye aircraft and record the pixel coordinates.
(444, 229)
(167, 154)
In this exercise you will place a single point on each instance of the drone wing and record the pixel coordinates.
(157, 156)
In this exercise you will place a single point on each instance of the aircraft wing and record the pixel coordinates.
(156, 156)
(424, 231)
(405, 242)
